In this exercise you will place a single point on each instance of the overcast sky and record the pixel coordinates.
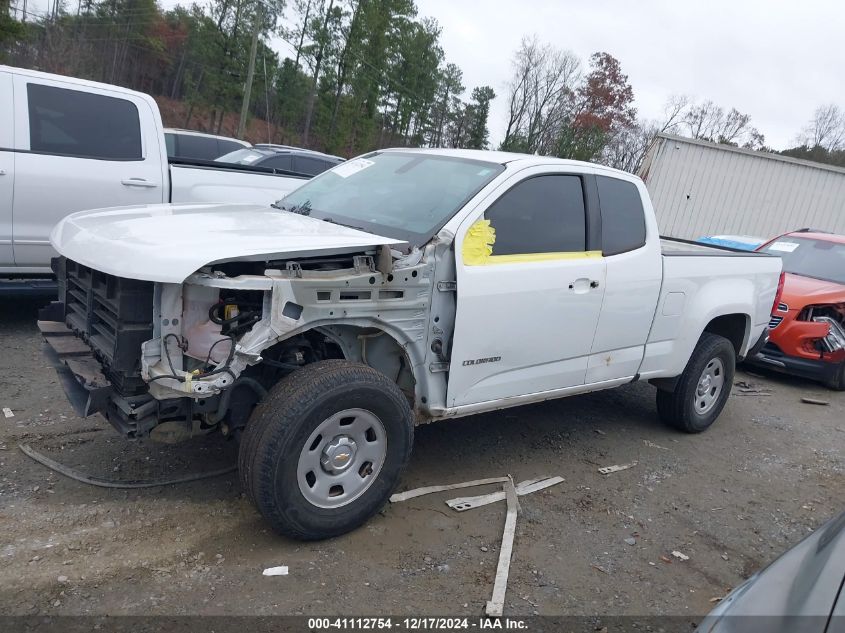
(771, 59)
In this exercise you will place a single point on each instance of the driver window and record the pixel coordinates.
(541, 215)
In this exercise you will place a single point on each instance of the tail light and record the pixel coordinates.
(779, 292)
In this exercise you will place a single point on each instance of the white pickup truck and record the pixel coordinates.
(69, 144)
(401, 287)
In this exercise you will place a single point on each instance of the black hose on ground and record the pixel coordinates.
(108, 483)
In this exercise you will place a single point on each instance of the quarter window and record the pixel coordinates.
(622, 216)
(75, 123)
(544, 214)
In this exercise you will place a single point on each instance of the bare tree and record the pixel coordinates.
(541, 95)
(826, 129)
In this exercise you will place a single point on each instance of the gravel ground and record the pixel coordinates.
(732, 499)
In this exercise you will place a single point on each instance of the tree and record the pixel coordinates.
(477, 113)
(826, 129)
(541, 98)
(710, 122)
(604, 110)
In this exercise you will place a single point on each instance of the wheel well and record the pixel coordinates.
(369, 346)
(731, 327)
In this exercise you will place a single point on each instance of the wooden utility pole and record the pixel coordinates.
(250, 73)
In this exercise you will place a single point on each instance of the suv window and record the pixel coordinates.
(278, 162)
(224, 147)
(199, 147)
(75, 123)
(622, 216)
(544, 214)
(311, 166)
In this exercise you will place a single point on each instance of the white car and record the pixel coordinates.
(67, 145)
(401, 287)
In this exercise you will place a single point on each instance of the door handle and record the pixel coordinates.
(583, 285)
(2, 172)
(137, 182)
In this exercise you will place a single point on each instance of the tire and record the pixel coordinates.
(693, 406)
(837, 381)
(325, 449)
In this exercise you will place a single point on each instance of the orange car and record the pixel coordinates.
(807, 330)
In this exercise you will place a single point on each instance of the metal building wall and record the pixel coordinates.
(700, 188)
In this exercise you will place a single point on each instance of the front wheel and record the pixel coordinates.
(325, 449)
(703, 389)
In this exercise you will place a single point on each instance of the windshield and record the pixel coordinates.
(406, 196)
(804, 256)
(243, 156)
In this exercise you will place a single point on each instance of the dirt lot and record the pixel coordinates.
(732, 499)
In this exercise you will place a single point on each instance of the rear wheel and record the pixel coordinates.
(325, 449)
(703, 388)
(837, 381)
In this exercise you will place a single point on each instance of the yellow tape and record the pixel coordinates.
(477, 249)
(478, 243)
(541, 257)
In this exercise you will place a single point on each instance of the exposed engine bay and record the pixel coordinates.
(178, 360)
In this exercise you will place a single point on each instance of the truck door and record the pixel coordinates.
(78, 148)
(7, 169)
(631, 250)
(527, 309)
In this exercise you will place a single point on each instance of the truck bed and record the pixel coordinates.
(673, 247)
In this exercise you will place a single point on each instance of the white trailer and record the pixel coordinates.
(700, 188)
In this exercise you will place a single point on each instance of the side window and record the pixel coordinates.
(622, 216)
(279, 162)
(544, 214)
(75, 123)
(170, 142)
(199, 147)
(224, 147)
(311, 166)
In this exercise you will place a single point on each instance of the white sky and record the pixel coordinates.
(775, 60)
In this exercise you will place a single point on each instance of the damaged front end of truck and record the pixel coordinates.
(171, 360)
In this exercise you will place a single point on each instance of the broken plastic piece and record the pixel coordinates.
(679, 555)
(282, 570)
(8, 412)
(528, 486)
(616, 468)
(496, 604)
(427, 490)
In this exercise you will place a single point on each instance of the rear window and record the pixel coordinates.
(224, 147)
(312, 166)
(809, 257)
(244, 156)
(282, 161)
(622, 216)
(199, 147)
(82, 124)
